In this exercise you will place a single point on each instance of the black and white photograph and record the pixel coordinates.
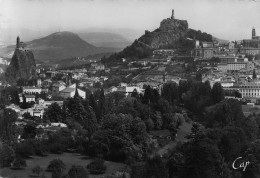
(129, 88)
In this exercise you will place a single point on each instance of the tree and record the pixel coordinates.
(76, 92)
(118, 136)
(233, 142)
(254, 74)
(15, 97)
(78, 111)
(19, 163)
(78, 172)
(24, 104)
(54, 113)
(56, 165)
(27, 116)
(170, 92)
(29, 131)
(97, 166)
(217, 93)
(148, 95)
(8, 129)
(37, 170)
(135, 94)
(6, 155)
(101, 105)
(207, 88)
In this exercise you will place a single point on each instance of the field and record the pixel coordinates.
(68, 158)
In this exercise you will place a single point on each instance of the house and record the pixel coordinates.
(29, 89)
(110, 90)
(36, 111)
(48, 103)
(17, 109)
(50, 74)
(97, 66)
(70, 91)
(29, 98)
(57, 87)
(129, 89)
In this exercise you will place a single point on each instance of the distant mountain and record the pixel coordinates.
(59, 45)
(105, 39)
(221, 41)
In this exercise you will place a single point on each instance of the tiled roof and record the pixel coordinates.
(30, 87)
(29, 96)
(68, 90)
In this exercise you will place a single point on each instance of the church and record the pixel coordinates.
(254, 42)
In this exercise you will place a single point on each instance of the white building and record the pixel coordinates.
(70, 91)
(129, 89)
(248, 90)
(29, 89)
(29, 98)
(235, 66)
(57, 87)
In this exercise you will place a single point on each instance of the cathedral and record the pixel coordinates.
(254, 42)
(254, 35)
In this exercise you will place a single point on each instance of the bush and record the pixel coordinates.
(39, 148)
(78, 171)
(56, 165)
(56, 148)
(36, 170)
(6, 155)
(59, 175)
(97, 166)
(149, 124)
(24, 149)
(19, 163)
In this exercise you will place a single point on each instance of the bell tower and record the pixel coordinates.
(253, 33)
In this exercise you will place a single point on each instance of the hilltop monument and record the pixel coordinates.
(22, 64)
(172, 17)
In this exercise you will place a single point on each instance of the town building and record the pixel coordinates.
(204, 53)
(248, 89)
(57, 87)
(235, 66)
(254, 42)
(28, 98)
(250, 50)
(70, 91)
(31, 89)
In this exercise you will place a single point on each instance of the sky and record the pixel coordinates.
(225, 19)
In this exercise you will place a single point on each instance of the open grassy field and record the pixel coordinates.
(68, 158)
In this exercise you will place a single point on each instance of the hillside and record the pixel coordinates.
(60, 45)
(172, 34)
(105, 39)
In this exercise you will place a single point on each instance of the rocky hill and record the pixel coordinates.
(172, 34)
(60, 45)
(22, 65)
(169, 32)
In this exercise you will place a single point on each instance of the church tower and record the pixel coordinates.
(253, 33)
(17, 42)
(172, 17)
